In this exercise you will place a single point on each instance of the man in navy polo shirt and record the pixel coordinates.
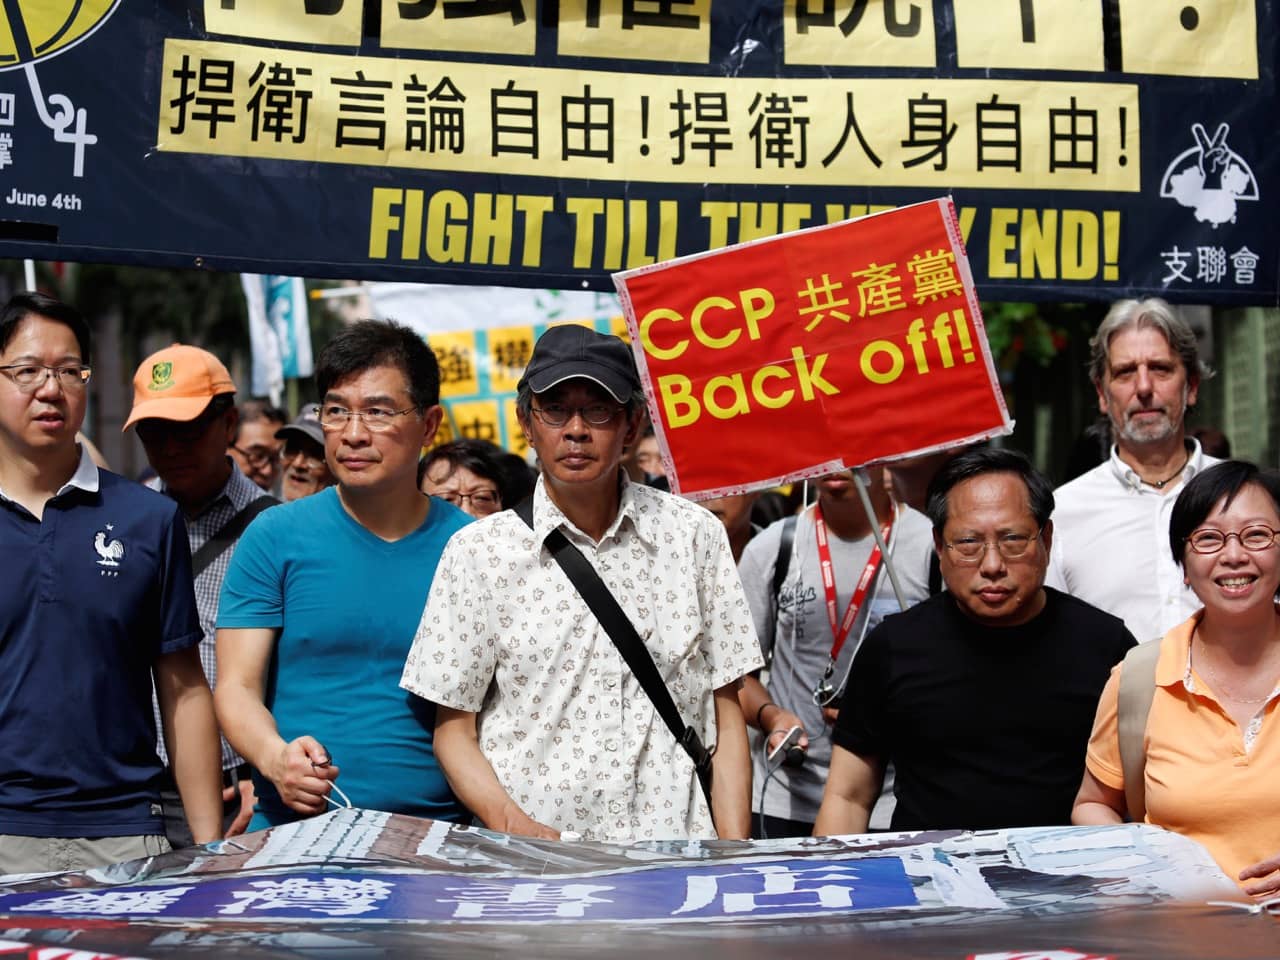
(98, 602)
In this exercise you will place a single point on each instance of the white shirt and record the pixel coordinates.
(570, 733)
(85, 477)
(1111, 546)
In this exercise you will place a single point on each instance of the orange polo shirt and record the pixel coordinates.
(1206, 778)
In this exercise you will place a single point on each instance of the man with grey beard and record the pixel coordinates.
(1111, 544)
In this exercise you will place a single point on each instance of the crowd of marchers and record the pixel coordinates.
(291, 615)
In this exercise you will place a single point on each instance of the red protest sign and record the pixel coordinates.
(805, 353)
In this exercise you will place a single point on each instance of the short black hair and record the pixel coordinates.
(484, 459)
(521, 478)
(374, 343)
(1213, 442)
(22, 305)
(255, 409)
(975, 463)
(1202, 492)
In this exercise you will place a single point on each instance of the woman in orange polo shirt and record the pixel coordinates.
(1212, 743)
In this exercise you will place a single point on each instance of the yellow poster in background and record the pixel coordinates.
(427, 25)
(477, 118)
(334, 22)
(482, 346)
(479, 371)
(623, 29)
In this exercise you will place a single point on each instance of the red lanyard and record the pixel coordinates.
(840, 633)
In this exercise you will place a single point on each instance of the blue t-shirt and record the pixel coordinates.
(93, 593)
(347, 605)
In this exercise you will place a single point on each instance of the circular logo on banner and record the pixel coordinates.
(35, 30)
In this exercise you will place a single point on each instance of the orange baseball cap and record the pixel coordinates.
(177, 383)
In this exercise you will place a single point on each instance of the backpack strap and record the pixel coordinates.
(1137, 690)
(229, 533)
(781, 566)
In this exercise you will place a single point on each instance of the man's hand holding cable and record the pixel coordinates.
(774, 722)
(303, 775)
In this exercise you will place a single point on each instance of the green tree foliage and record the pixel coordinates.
(201, 307)
(1034, 332)
(191, 306)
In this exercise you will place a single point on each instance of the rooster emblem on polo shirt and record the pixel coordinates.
(111, 552)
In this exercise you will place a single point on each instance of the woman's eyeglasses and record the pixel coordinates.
(1255, 537)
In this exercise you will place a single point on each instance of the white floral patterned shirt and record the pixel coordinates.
(570, 733)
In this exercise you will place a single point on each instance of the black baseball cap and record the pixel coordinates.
(571, 350)
(305, 424)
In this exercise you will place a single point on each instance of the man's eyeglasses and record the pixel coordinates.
(971, 550)
(558, 414)
(377, 419)
(1256, 537)
(257, 456)
(313, 458)
(30, 377)
(482, 501)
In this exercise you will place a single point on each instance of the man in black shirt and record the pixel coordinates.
(983, 696)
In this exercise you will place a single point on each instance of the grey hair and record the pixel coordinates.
(1139, 314)
(524, 401)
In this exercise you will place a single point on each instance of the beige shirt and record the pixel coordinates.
(570, 733)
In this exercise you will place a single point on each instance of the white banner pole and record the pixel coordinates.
(860, 480)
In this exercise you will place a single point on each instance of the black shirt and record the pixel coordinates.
(986, 726)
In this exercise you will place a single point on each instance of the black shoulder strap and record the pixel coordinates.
(623, 634)
(781, 565)
(524, 510)
(214, 547)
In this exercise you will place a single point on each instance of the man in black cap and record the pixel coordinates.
(304, 470)
(542, 727)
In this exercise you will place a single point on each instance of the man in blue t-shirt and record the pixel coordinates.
(98, 603)
(323, 597)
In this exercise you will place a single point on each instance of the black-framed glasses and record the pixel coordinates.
(30, 377)
(377, 419)
(1011, 546)
(292, 450)
(1255, 537)
(257, 456)
(595, 414)
(482, 501)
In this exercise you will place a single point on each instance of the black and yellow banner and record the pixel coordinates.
(1093, 148)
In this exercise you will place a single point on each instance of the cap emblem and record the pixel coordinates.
(161, 375)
